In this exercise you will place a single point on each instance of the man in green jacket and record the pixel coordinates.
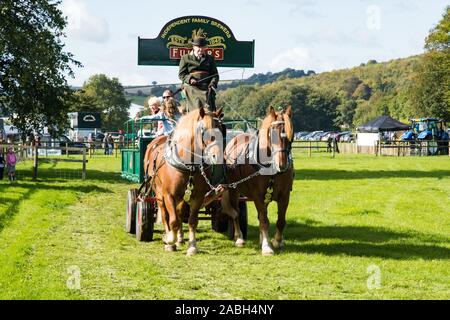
(198, 73)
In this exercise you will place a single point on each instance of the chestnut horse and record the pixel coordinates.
(172, 167)
(269, 154)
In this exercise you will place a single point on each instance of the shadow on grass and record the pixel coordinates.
(361, 241)
(31, 188)
(331, 174)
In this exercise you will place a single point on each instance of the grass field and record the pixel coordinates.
(359, 227)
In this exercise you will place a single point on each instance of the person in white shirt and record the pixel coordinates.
(168, 114)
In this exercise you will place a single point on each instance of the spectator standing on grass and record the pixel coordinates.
(91, 141)
(121, 139)
(105, 143)
(2, 165)
(11, 160)
(110, 144)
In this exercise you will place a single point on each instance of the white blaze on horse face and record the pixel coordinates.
(213, 152)
(206, 148)
(199, 144)
(267, 152)
(183, 145)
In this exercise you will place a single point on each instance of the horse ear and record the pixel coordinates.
(271, 111)
(219, 113)
(202, 112)
(289, 111)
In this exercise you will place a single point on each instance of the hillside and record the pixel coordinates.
(137, 94)
(329, 100)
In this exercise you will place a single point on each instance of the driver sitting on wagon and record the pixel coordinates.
(199, 76)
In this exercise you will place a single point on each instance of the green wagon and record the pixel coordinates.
(141, 212)
(138, 134)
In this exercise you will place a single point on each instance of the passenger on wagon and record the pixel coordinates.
(154, 104)
(168, 94)
(199, 76)
(168, 114)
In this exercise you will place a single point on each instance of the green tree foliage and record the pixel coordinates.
(313, 110)
(431, 88)
(349, 86)
(345, 113)
(362, 91)
(403, 88)
(33, 65)
(105, 95)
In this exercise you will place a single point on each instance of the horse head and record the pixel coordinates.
(276, 136)
(198, 136)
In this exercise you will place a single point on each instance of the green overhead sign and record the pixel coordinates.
(175, 38)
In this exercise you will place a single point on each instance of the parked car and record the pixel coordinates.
(327, 135)
(62, 141)
(96, 137)
(348, 137)
(339, 135)
(299, 135)
(314, 136)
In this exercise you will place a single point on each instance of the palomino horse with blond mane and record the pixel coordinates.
(267, 161)
(172, 165)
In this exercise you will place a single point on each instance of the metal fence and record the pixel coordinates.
(47, 154)
(317, 146)
(412, 148)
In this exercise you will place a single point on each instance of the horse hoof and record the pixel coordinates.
(179, 244)
(191, 251)
(267, 251)
(277, 244)
(170, 248)
(240, 243)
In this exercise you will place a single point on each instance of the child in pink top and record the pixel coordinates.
(11, 160)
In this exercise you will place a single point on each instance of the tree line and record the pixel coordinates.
(417, 86)
(34, 92)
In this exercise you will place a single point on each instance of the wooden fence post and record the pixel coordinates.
(83, 174)
(35, 162)
(67, 150)
(333, 152)
(310, 146)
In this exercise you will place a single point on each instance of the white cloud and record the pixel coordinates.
(82, 24)
(360, 37)
(299, 58)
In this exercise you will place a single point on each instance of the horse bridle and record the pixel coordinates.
(283, 135)
(288, 144)
(206, 146)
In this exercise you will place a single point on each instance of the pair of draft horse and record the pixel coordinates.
(177, 170)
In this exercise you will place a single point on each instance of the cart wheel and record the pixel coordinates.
(145, 218)
(130, 221)
(243, 221)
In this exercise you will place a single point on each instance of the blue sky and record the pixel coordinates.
(319, 35)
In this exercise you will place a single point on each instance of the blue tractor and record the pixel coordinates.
(430, 134)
